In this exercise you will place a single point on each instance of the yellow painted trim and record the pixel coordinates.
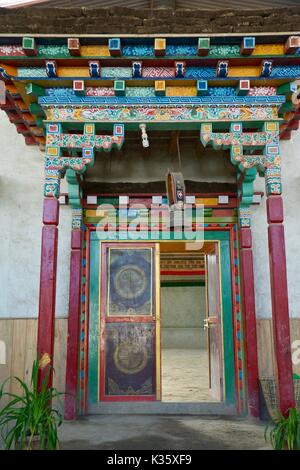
(244, 71)
(53, 151)
(94, 51)
(207, 201)
(73, 72)
(268, 49)
(181, 91)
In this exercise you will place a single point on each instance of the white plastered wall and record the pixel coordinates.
(290, 153)
(21, 202)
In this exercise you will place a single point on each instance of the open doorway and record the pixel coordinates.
(191, 349)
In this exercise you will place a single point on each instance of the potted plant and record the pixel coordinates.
(284, 432)
(29, 420)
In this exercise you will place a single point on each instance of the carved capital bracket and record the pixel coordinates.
(245, 182)
(250, 150)
(81, 152)
(74, 188)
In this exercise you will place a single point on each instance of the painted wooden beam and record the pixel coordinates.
(160, 45)
(74, 46)
(29, 46)
(46, 318)
(292, 44)
(248, 45)
(203, 46)
(114, 46)
(280, 305)
(248, 295)
(73, 325)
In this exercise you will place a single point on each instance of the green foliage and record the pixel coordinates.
(30, 414)
(284, 433)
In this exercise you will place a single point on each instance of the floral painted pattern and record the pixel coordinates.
(160, 113)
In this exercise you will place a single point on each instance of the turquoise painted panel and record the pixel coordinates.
(24, 72)
(280, 71)
(223, 51)
(53, 51)
(140, 91)
(116, 72)
(138, 50)
(181, 50)
(228, 344)
(200, 72)
(221, 91)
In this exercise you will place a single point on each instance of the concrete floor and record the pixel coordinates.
(185, 375)
(113, 432)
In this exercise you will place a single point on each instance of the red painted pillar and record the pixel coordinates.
(73, 325)
(248, 295)
(280, 306)
(46, 319)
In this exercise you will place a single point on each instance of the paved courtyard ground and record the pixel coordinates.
(116, 432)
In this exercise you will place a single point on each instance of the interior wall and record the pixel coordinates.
(182, 315)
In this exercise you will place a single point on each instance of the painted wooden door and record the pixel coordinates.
(213, 325)
(129, 322)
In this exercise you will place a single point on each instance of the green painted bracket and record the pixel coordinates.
(36, 109)
(246, 189)
(74, 190)
(287, 88)
(34, 90)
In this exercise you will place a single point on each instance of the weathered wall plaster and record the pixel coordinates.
(291, 198)
(21, 196)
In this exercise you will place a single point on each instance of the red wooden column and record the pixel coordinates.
(73, 325)
(46, 319)
(280, 306)
(248, 295)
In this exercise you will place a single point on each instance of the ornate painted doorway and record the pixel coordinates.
(124, 331)
(129, 322)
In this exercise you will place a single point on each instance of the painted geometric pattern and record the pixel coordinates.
(158, 72)
(269, 162)
(105, 142)
(175, 96)
(144, 50)
(201, 72)
(56, 164)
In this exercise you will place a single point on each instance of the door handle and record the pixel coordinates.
(206, 324)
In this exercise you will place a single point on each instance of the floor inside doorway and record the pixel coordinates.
(185, 375)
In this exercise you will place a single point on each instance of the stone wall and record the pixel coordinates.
(121, 20)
